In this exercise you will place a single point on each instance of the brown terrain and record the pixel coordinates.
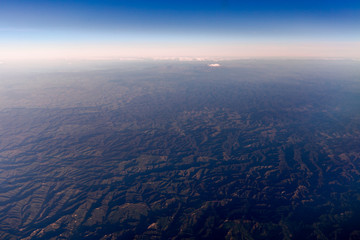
(166, 150)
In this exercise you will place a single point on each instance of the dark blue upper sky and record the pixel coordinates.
(176, 14)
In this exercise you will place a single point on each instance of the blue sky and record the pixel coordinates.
(179, 28)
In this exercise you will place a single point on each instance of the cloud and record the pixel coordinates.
(214, 65)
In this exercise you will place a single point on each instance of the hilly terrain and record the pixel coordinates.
(180, 150)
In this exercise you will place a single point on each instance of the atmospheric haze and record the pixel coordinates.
(183, 119)
(137, 29)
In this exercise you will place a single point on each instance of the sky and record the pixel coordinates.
(108, 29)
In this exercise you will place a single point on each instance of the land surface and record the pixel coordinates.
(171, 150)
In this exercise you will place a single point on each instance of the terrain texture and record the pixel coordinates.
(167, 150)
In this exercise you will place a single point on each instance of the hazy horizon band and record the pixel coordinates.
(139, 29)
